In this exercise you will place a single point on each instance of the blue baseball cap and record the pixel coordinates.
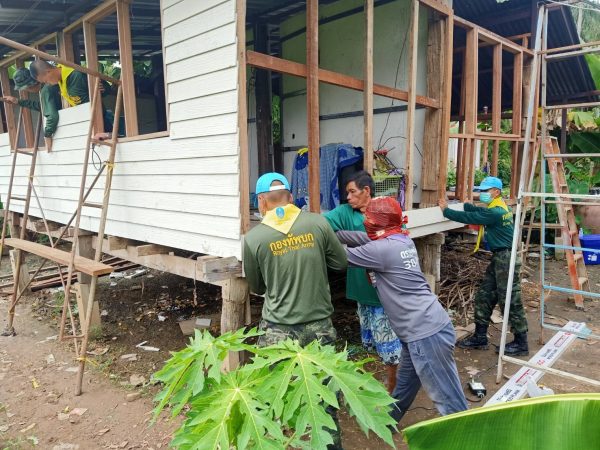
(489, 183)
(264, 183)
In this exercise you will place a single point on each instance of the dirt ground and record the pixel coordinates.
(39, 410)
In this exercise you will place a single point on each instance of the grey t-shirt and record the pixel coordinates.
(413, 310)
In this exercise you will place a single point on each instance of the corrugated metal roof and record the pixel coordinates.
(566, 79)
(27, 21)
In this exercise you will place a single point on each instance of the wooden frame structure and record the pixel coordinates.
(469, 117)
(64, 45)
(315, 75)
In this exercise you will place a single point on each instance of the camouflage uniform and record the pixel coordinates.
(492, 291)
(321, 330)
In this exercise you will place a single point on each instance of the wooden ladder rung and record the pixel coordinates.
(24, 152)
(12, 197)
(88, 266)
(106, 142)
(93, 205)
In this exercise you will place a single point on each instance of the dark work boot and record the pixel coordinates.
(477, 341)
(518, 347)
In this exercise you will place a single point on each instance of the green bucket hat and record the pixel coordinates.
(23, 79)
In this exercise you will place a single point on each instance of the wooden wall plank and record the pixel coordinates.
(212, 83)
(211, 40)
(183, 10)
(212, 61)
(193, 26)
(216, 104)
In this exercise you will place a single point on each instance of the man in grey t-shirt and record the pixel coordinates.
(415, 314)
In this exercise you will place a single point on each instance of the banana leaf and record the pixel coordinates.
(554, 422)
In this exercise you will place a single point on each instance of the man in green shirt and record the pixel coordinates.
(73, 86)
(376, 332)
(286, 258)
(497, 221)
(49, 103)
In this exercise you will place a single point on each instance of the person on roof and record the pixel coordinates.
(49, 103)
(497, 222)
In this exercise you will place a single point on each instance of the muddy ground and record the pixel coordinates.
(38, 408)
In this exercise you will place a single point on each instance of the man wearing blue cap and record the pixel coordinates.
(286, 258)
(496, 220)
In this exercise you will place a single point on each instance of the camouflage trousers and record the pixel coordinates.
(492, 291)
(321, 330)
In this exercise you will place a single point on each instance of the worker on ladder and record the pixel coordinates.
(49, 102)
(497, 221)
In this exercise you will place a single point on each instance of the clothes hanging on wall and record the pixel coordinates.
(333, 158)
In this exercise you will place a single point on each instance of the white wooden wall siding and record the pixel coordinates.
(180, 191)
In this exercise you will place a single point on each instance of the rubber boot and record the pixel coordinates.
(518, 347)
(477, 341)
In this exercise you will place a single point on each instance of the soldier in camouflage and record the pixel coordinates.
(498, 222)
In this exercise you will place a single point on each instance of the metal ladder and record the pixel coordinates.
(563, 200)
(75, 263)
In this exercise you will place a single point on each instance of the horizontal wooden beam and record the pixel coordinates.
(493, 38)
(48, 57)
(438, 6)
(287, 67)
(152, 249)
(95, 15)
(10, 60)
(117, 243)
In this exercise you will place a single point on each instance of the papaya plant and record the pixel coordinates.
(277, 401)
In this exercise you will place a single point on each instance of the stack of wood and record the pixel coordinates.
(461, 272)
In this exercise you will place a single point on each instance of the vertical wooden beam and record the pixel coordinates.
(471, 75)
(368, 88)
(432, 137)
(312, 103)
(412, 97)
(446, 106)
(64, 44)
(514, 170)
(471, 64)
(126, 55)
(517, 102)
(27, 125)
(91, 58)
(263, 104)
(242, 117)
(563, 131)
(460, 179)
(495, 156)
(497, 88)
(8, 109)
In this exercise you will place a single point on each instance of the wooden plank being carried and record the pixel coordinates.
(84, 265)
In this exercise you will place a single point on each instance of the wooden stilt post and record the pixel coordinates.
(429, 249)
(236, 295)
(23, 277)
(85, 249)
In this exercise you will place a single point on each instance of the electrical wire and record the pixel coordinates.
(401, 137)
(387, 120)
